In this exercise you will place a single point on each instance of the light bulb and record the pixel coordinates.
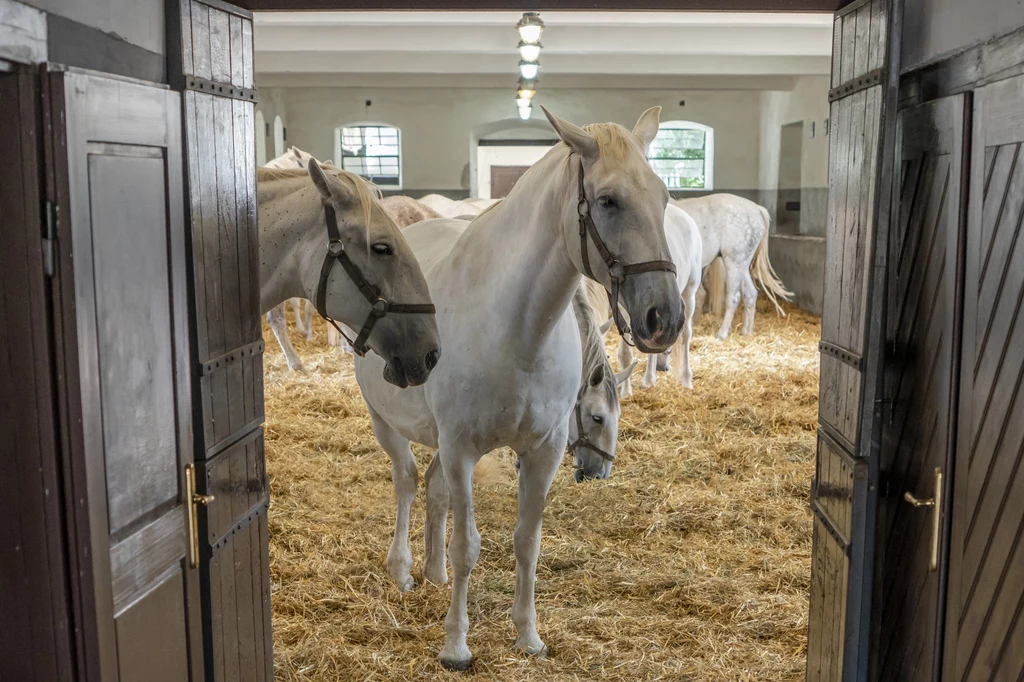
(529, 52)
(530, 27)
(527, 89)
(524, 112)
(528, 70)
(523, 102)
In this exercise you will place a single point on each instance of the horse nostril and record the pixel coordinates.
(431, 359)
(654, 322)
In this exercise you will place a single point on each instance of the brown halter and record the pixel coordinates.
(582, 441)
(617, 272)
(379, 306)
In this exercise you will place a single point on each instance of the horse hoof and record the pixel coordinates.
(457, 666)
(534, 652)
(436, 577)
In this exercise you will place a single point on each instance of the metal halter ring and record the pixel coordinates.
(335, 247)
(583, 206)
(379, 308)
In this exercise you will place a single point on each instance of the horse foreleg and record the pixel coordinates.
(681, 364)
(463, 550)
(278, 325)
(434, 568)
(733, 276)
(404, 476)
(535, 477)
(625, 357)
(749, 303)
(650, 371)
(296, 305)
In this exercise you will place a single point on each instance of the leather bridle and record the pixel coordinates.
(617, 271)
(582, 441)
(379, 306)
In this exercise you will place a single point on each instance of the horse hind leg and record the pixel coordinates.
(749, 304)
(681, 356)
(650, 375)
(307, 319)
(434, 566)
(279, 325)
(404, 476)
(733, 277)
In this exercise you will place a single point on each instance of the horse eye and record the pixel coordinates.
(382, 249)
(598, 419)
(607, 202)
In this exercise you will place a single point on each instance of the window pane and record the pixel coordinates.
(679, 174)
(372, 151)
(677, 155)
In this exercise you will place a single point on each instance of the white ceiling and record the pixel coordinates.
(453, 46)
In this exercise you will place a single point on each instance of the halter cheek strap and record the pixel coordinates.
(581, 440)
(379, 306)
(617, 271)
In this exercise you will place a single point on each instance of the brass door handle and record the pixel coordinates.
(192, 498)
(935, 503)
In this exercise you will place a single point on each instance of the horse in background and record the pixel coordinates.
(736, 230)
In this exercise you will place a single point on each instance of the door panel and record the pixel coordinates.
(504, 178)
(922, 335)
(852, 336)
(984, 623)
(210, 60)
(122, 298)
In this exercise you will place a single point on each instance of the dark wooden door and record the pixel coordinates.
(920, 388)
(210, 60)
(121, 299)
(504, 178)
(852, 337)
(33, 558)
(985, 612)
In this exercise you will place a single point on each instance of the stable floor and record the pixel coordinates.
(691, 563)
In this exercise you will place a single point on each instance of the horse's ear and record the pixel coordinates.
(597, 376)
(605, 327)
(329, 186)
(578, 139)
(624, 374)
(646, 127)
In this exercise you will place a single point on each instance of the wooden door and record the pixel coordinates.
(504, 178)
(864, 77)
(33, 559)
(120, 295)
(984, 622)
(210, 61)
(923, 331)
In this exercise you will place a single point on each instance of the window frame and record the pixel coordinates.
(340, 157)
(709, 154)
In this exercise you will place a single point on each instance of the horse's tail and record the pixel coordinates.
(762, 270)
(714, 286)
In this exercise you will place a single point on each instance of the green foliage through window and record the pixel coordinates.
(678, 156)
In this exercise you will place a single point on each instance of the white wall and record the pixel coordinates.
(436, 123)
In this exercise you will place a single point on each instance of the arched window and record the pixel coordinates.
(261, 139)
(683, 155)
(278, 137)
(372, 150)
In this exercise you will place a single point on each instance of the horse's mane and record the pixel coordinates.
(615, 142)
(368, 194)
(592, 342)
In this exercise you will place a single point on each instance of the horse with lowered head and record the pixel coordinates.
(324, 236)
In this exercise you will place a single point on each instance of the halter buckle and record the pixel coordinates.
(615, 272)
(379, 308)
(335, 248)
(583, 207)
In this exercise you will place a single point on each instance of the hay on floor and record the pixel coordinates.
(692, 563)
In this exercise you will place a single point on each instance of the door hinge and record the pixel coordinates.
(50, 224)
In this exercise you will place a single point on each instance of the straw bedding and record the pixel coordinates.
(691, 563)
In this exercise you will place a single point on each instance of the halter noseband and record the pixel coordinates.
(582, 441)
(379, 306)
(617, 272)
